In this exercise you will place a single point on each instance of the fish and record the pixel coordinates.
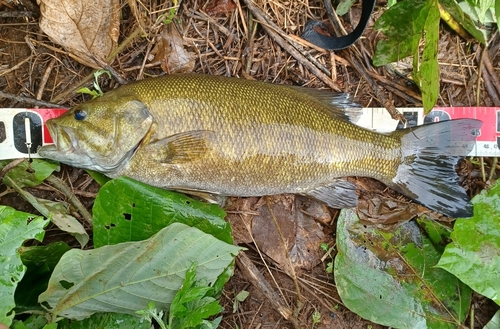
(236, 137)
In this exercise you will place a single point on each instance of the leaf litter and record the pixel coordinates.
(231, 43)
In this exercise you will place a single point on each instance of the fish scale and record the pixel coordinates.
(237, 137)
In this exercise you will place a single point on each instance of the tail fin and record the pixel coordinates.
(427, 172)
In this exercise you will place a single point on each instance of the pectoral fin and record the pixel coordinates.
(182, 147)
(338, 194)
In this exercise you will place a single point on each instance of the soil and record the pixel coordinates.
(221, 38)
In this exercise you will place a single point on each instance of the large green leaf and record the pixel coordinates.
(390, 278)
(15, 228)
(474, 254)
(123, 278)
(106, 321)
(127, 210)
(40, 262)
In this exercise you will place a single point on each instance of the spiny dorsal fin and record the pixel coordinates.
(341, 105)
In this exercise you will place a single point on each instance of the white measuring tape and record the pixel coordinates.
(22, 131)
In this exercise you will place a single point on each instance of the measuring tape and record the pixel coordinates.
(22, 131)
(488, 139)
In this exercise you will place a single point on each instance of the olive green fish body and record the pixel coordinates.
(245, 138)
(289, 143)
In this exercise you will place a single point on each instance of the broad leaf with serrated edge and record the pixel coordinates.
(15, 228)
(123, 278)
(389, 277)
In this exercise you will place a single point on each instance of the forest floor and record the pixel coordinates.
(222, 37)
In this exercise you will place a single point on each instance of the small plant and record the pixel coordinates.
(169, 16)
(316, 317)
(328, 250)
(190, 308)
(240, 297)
(97, 92)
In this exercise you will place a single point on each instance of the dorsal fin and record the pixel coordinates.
(341, 105)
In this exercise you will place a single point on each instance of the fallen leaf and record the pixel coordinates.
(220, 7)
(88, 30)
(170, 53)
(302, 234)
(382, 210)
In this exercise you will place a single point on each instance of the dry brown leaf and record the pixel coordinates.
(220, 7)
(170, 53)
(303, 235)
(86, 29)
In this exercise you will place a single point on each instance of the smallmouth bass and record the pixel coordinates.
(236, 137)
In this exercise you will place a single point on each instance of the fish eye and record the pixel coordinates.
(80, 115)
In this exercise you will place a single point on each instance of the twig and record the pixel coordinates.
(30, 198)
(8, 13)
(494, 85)
(479, 58)
(268, 26)
(493, 168)
(45, 78)
(253, 274)
(89, 77)
(29, 100)
(64, 189)
(15, 67)
(399, 90)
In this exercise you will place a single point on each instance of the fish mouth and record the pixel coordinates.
(61, 137)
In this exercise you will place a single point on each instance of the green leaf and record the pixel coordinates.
(389, 277)
(426, 72)
(56, 212)
(402, 24)
(29, 173)
(494, 323)
(406, 24)
(453, 8)
(344, 6)
(65, 222)
(474, 254)
(105, 321)
(15, 228)
(101, 179)
(40, 262)
(497, 11)
(34, 321)
(193, 303)
(123, 278)
(127, 210)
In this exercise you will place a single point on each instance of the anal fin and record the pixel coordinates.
(337, 194)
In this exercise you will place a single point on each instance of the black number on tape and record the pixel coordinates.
(3, 132)
(436, 116)
(20, 133)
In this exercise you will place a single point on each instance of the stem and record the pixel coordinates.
(64, 189)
